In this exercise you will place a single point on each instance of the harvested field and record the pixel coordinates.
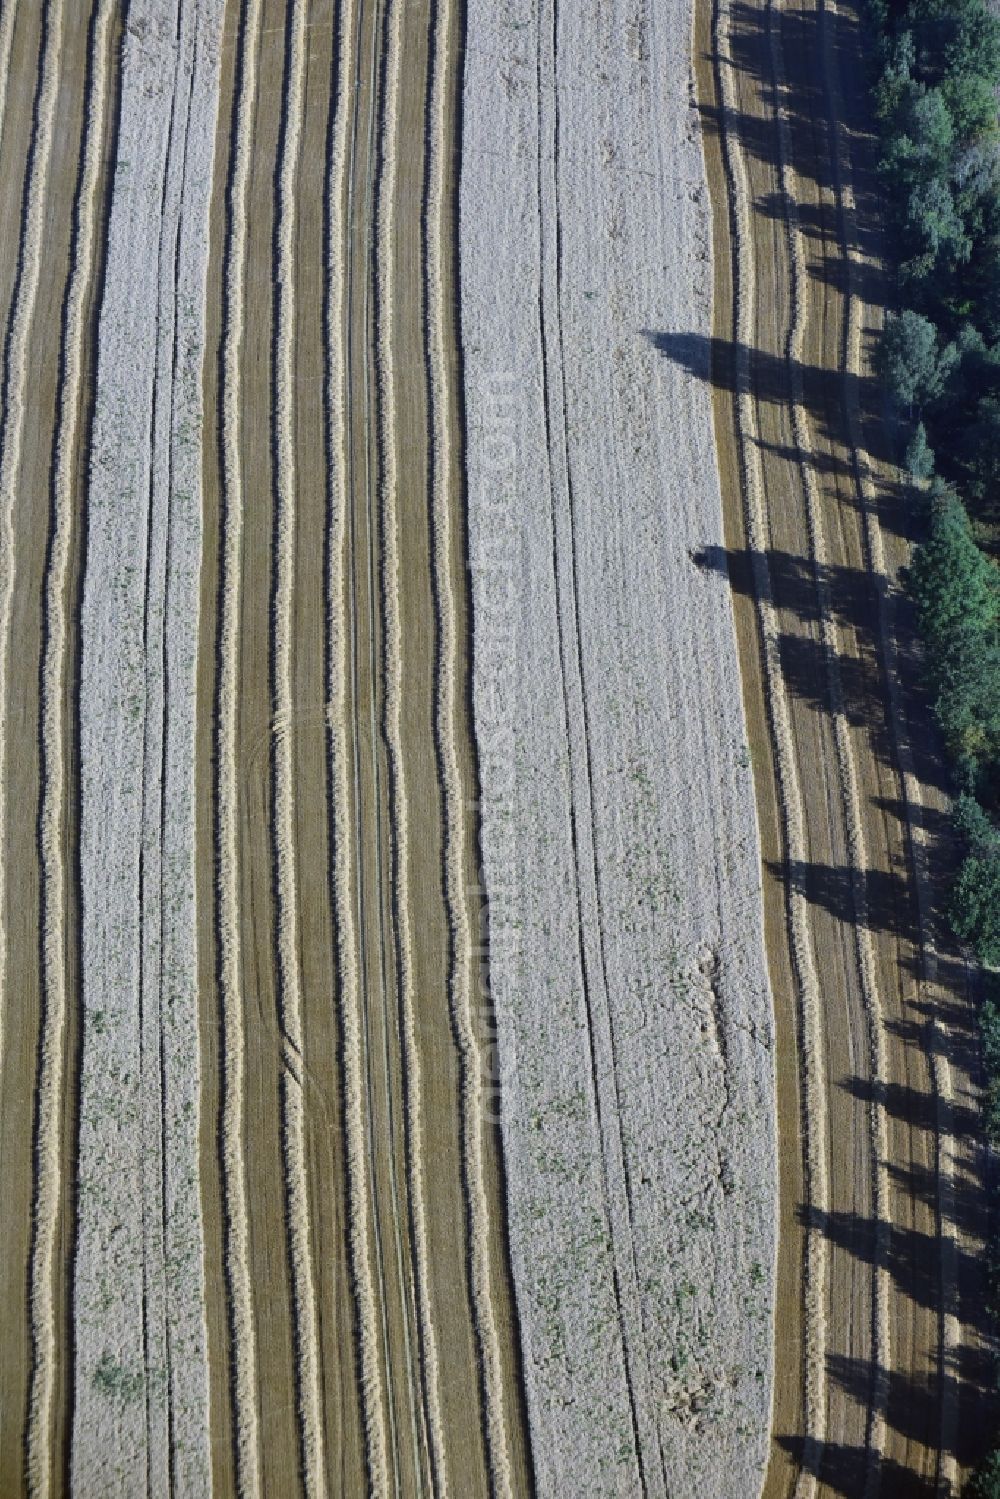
(879, 1332)
(261, 1224)
(472, 1019)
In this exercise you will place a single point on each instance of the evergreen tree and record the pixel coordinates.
(974, 909)
(907, 358)
(957, 592)
(985, 1484)
(919, 460)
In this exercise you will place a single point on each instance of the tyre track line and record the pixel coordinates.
(812, 1060)
(237, 1229)
(52, 1054)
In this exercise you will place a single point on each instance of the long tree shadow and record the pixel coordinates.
(810, 668)
(751, 127)
(851, 597)
(962, 1207)
(843, 1470)
(932, 821)
(911, 1257)
(960, 1046)
(750, 57)
(798, 584)
(845, 267)
(769, 374)
(914, 1407)
(774, 379)
(962, 1376)
(825, 463)
(838, 888)
(914, 1108)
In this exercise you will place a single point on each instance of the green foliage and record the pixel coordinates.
(919, 459)
(978, 832)
(974, 909)
(985, 1482)
(951, 580)
(935, 98)
(971, 104)
(907, 358)
(983, 460)
(935, 234)
(921, 134)
(953, 40)
(957, 592)
(975, 916)
(989, 1034)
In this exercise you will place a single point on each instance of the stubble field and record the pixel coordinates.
(471, 1019)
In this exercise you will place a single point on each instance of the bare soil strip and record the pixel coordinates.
(370, 203)
(814, 1079)
(450, 734)
(862, 317)
(409, 958)
(391, 841)
(343, 856)
(393, 668)
(829, 635)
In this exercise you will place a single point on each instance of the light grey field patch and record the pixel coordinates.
(141, 1394)
(620, 845)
